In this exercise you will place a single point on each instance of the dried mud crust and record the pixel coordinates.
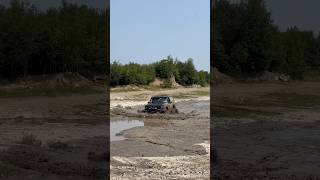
(256, 144)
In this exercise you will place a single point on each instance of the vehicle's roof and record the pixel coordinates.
(159, 96)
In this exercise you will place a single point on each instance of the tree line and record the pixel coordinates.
(69, 38)
(245, 41)
(185, 73)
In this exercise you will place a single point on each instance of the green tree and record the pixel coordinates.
(165, 68)
(68, 38)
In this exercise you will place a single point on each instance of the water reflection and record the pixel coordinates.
(120, 125)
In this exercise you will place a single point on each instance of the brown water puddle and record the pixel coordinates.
(120, 124)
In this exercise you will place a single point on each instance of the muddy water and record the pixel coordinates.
(119, 125)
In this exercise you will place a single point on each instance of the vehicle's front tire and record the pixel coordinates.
(166, 110)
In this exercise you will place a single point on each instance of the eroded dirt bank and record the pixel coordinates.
(62, 137)
(267, 131)
(173, 146)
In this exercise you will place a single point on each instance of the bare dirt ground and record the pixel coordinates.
(62, 137)
(267, 131)
(168, 146)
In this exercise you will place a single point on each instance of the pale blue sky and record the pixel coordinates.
(145, 31)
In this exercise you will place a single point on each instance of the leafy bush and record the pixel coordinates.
(70, 38)
(166, 84)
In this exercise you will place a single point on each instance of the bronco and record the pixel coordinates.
(162, 104)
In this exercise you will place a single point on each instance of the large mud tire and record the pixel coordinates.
(174, 110)
(167, 110)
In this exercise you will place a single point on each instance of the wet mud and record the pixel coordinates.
(54, 137)
(267, 131)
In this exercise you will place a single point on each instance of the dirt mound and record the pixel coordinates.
(220, 78)
(67, 79)
(159, 82)
(156, 82)
(173, 82)
(100, 79)
(54, 80)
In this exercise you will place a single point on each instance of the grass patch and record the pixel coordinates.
(182, 96)
(201, 93)
(293, 100)
(156, 88)
(138, 88)
(117, 90)
(237, 112)
(25, 92)
(290, 100)
(244, 107)
(192, 94)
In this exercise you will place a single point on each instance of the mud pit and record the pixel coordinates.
(61, 137)
(267, 131)
(117, 126)
(168, 146)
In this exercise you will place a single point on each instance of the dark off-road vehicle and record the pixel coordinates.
(162, 104)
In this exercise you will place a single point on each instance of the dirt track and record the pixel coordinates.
(174, 146)
(267, 130)
(61, 137)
